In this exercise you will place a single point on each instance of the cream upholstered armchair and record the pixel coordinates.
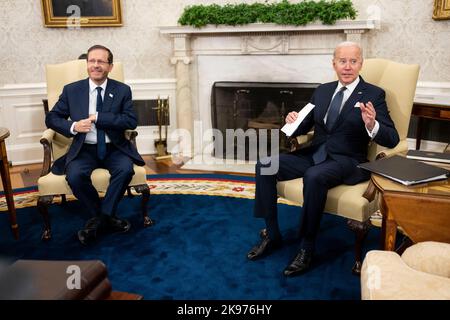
(357, 203)
(56, 145)
(422, 272)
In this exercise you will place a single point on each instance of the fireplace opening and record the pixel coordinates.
(147, 112)
(254, 107)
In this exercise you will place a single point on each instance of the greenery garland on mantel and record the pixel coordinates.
(283, 13)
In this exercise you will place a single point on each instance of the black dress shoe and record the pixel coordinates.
(265, 247)
(89, 233)
(117, 225)
(300, 264)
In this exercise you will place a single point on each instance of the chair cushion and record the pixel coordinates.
(52, 184)
(343, 200)
(430, 256)
(386, 276)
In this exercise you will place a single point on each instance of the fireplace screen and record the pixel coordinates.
(252, 107)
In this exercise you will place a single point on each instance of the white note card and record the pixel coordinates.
(289, 128)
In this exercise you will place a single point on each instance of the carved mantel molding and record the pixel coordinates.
(257, 38)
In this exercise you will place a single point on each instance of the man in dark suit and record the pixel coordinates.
(348, 114)
(96, 112)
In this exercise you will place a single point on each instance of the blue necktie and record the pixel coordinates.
(101, 142)
(335, 107)
(320, 154)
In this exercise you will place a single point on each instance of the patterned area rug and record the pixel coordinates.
(193, 184)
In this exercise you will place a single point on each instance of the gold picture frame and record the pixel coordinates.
(441, 10)
(81, 13)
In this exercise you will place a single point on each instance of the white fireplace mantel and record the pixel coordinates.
(253, 52)
(341, 25)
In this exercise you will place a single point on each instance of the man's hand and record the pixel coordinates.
(368, 114)
(93, 117)
(291, 117)
(83, 125)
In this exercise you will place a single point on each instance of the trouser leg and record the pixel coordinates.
(78, 176)
(290, 167)
(120, 167)
(316, 183)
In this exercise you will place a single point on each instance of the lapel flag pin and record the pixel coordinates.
(111, 95)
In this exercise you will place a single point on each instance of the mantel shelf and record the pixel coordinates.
(340, 25)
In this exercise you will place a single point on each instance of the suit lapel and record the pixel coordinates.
(84, 94)
(355, 97)
(109, 96)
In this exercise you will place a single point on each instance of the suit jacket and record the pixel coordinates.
(117, 116)
(347, 142)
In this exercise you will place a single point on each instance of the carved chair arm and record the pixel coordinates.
(131, 136)
(301, 142)
(46, 141)
(48, 134)
(390, 152)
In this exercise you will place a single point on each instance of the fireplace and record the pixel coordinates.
(252, 107)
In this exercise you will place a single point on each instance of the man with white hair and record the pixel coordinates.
(348, 113)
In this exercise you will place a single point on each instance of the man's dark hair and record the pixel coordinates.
(98, 46)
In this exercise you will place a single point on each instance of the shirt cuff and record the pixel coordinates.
(375, 129)
(72, 131)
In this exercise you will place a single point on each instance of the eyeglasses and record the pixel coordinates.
(343, 62)
(99, 62)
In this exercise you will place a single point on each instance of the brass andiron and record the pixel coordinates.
(162, 116)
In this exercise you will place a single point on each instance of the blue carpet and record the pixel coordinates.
(196, 250)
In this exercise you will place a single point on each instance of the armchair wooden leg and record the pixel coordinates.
(42, 204)
(145, 191)
(360, 229)
(129, 194)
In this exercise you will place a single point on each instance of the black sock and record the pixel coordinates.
(273, 229)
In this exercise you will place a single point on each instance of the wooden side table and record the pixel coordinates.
(430, 111)
(423, 211)
(6, 179)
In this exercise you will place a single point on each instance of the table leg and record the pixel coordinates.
(390, 236)
(6, 180)
(419, 132)
(388, 228)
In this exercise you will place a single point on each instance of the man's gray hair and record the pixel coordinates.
(348, 44)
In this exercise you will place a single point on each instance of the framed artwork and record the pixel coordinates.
(81, 13)
(441, 9)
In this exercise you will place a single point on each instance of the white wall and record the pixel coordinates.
(408, 34)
